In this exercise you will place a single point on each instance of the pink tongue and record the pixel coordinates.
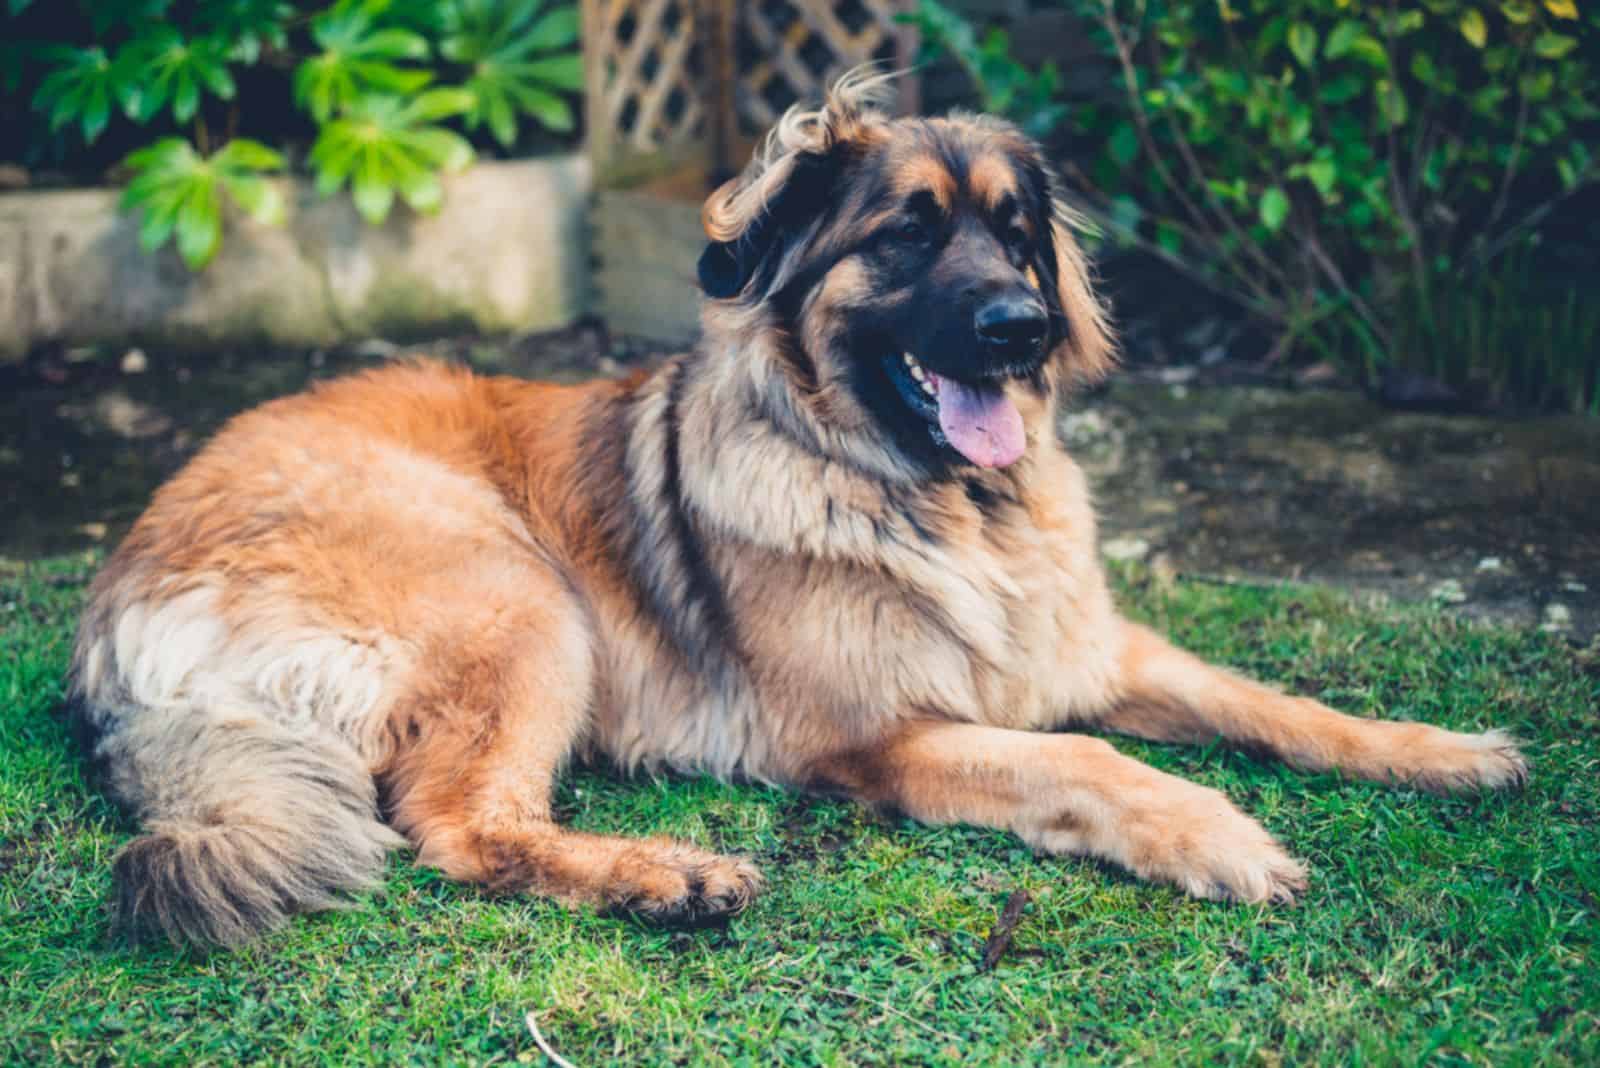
(981, 422)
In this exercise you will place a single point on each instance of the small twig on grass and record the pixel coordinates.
(1000, 938)
(555, 1058)
(885, 1006)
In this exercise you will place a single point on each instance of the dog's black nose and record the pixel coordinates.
(1012, 325)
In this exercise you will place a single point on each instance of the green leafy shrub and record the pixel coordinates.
(1343, 170)
(517, 65)
(388, 94)
(385, 144)
(180, 192)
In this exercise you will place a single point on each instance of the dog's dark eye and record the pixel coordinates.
(912, 231)
(1017, 237)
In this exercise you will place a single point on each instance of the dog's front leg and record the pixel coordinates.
(1065, 793)
(1166, 694)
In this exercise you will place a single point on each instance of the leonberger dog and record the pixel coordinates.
(836, 547)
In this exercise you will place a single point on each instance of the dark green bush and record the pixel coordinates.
(1351, 174)
(389, 94)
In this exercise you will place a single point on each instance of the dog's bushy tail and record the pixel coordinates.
(248, 821)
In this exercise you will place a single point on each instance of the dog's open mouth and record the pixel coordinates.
(976, 419)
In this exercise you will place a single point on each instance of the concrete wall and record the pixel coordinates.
(508, 252)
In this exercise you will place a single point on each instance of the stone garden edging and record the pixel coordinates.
(508, 252)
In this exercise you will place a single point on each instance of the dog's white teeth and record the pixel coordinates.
(923, 378)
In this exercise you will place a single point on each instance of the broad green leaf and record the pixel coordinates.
(1169, 238)
(1392, 101)
(330, 180)
(333, 157)
(1123, 144)
(199, 228)
(1407, 22)
(558, 72)
(160, 215)
(384, 78)
(260, 198)
(438, 104)
(244, 153)
(1536, 85)
(1323, 175)
(1303, 43)
(96, 112)
(185, 98)
(167, 153)
(392, 44)
(1487, 101)
(549, 109)
(1554, 45)
(1562, 9)
(557, 29)
(216, 78)
(423, 192)
(1342, 89)
(441, 148)
(1342, 37)
(1274, 208)
(1369, 50)
(494, 106)
(1473, 28)
(373, 195)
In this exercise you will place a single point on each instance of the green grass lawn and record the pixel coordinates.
(1459, 930)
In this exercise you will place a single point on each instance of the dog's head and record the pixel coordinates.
(921, 272)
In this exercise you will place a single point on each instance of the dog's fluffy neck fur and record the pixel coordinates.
(764, 475)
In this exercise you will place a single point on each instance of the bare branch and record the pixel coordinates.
(1512, 159)
(1331, 270)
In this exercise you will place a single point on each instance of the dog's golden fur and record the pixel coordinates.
(398, 604)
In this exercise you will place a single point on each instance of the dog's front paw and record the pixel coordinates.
(1447, 761)
(1206, 846)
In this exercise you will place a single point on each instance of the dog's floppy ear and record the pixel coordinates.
(743, 238)
(751, 219)
(725, 266)
(1088, 346)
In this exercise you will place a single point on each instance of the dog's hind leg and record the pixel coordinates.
(494, 714)
(1166, 694)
